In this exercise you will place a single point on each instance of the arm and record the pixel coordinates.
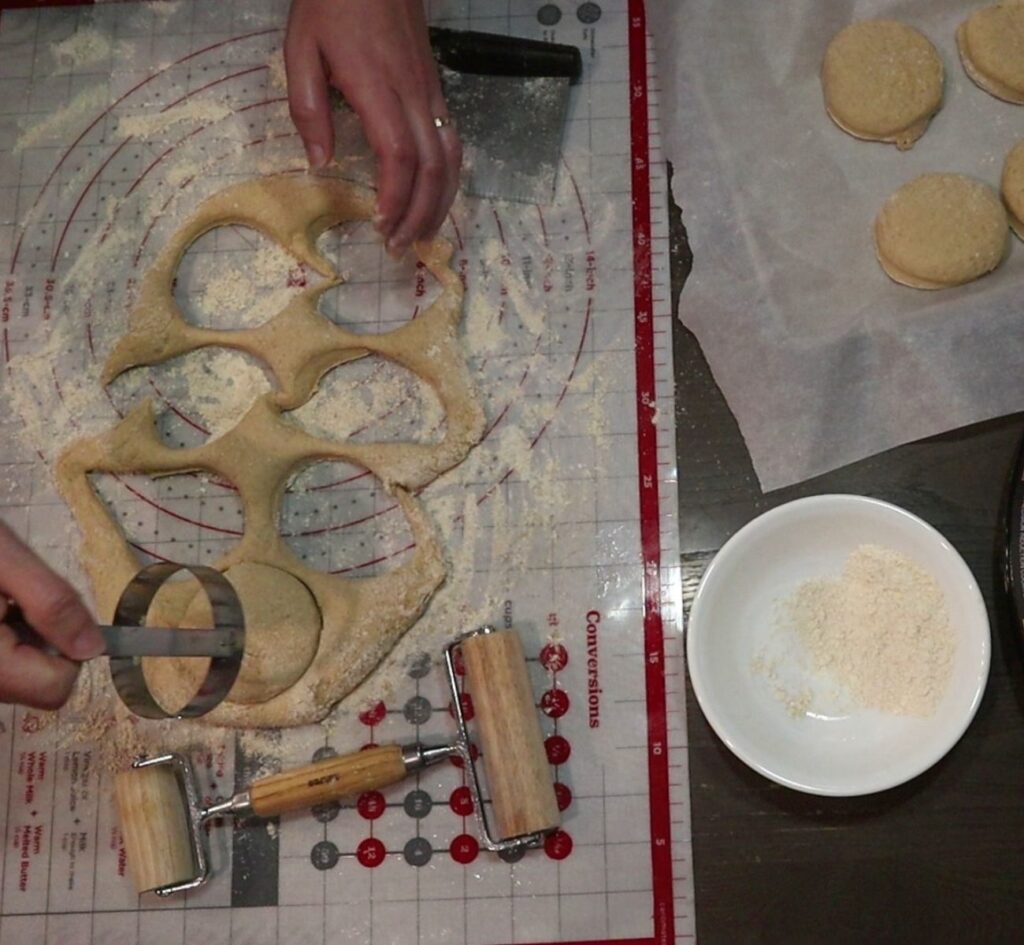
(50, 604)
(378, 56)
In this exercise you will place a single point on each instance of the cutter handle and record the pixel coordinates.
(327, 780)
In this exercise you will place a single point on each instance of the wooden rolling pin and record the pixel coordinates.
(162, 821)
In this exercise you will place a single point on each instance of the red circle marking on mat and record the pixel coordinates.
(464, 848)
(554, 657)
(554, 703)
(371, 805)
(370, 852)
(563, 795)
(474, 753)
(558, 845)
(558, 749)
(373, 715)
(461, 801)
(466, 701)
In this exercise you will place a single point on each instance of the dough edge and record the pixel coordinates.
(904, 138)
(1014, 166)
(984, 82)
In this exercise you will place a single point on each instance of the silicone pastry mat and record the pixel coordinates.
(568, 331)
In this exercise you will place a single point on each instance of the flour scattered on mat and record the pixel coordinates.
(66, 122)
(149, 125)
(278, 75)
(880, 633)
(163, 8)
(85, 47)
(51, 416)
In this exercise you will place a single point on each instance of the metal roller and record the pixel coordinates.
(518, 774)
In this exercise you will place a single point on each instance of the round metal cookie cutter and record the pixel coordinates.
(126, 671)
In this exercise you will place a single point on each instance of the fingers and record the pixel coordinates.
(308, 100)
(49, 603)
(430, 184)
(31, 677)
(417, 163)
(451, 144)
(378, 55)
(439, 155)
(388, 132)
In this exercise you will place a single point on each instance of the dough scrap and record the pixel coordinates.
(1013, 188)
(359, 619)
(299, 345)
(991, 44)
(362, 618)
(941, 230)
(883, 81)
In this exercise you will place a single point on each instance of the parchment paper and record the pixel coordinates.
(821, 357)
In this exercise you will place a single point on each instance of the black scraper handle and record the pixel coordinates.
(494, 54)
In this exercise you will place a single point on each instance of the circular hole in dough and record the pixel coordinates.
(338, 519)
(234, 277)
(941, 230)
(1013, 187)
(882, 81)
(199, 395)
(377, 293)
(165, 515)
(991, 44)
(373, 400)
(282, 632)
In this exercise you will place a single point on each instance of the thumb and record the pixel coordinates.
(49, 603)
(31, 677)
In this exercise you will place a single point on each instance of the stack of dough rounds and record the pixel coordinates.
(1013, 188)
(941, 230)
(991, 46)
(882, 81)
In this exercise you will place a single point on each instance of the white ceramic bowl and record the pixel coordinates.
(849, 750)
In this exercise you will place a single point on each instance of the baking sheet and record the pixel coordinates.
(821, 357)
(562, 523)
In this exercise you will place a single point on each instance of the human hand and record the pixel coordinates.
(27, 674)
(378, 56)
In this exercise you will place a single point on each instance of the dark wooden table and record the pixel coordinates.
(938, 860)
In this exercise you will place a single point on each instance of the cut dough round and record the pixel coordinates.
(882, 81)
(991, 43)
(1013, 188)
(282, 632)
(941, 230)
